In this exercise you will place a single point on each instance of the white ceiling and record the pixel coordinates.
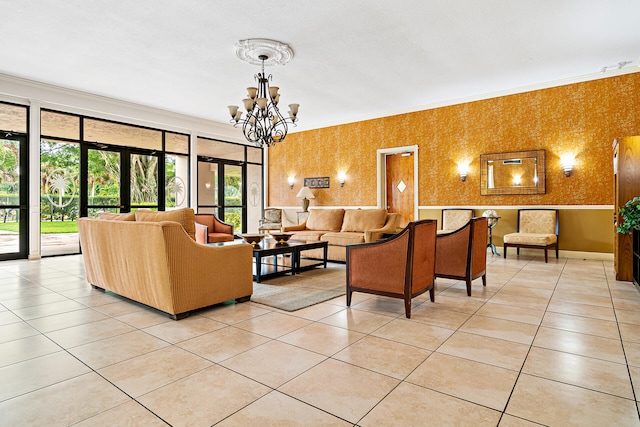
(353, 59)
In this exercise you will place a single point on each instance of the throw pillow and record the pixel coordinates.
(363, 219)
(325, 219)
(130, 216)
(185, 216)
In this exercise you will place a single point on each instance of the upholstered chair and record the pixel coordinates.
(462, 254)
(209, 229)
(272, 220)
(454, 218)
(402, 266)
(537, 229)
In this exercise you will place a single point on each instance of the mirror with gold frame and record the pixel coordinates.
(517, 172)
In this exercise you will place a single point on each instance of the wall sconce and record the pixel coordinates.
(207, 185)
(291, 181)
(463, 170)
(568, 161)
(516, 180)
(341, 177)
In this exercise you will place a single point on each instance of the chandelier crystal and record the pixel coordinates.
(263, 125)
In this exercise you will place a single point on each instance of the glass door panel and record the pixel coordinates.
(208, 186)
(103, 179)
(144, 181)
(176, 181)
(59, 197)
(232, 206)
(13, 197)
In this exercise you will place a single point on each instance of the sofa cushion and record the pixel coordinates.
(363, 219)
(130, 216)
(308, 235)
(343, 238)
(530, 239)
(325, 219)
(185, 216)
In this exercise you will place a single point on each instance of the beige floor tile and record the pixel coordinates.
(32, 374)
(7, 317)
(203, 398)
(519, 301)
(357, 320)
(632, 353)
(460, 303)
(29, 313)
(581, 344)
(567, 405)
(347, 391)
(128, 414)
(66, 320)
(273, 363)
(581, 298)
(88, 332)
(599, 290)
(626, 304)
(428, 313)
(144, 318)
(234, 313)
(511, 421)
(411, 405)
(414, 333)
(16, 331)
(566, 307)
(98, 298)
(382, 305)
(148, 372)
(386, 357)
(585, 325)
(493, 351)
(321, 338)
(32, 300)
(509, 330)
(526, 292)
(26, 348)
(630, 333)
(272, 325)
(62, 404)
(517, 282)
(632, 294)
(185, 329)
(223, 343)
(109, 351)
(581, 371)
(628, 316)
(277, 409)
(476, 382)
(509, 312)
(478, 292)
(634, 371)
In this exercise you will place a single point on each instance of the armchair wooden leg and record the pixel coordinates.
(504, 250)
(484, 279)
(407, 307)
(432, 293)
(349, 298)
(546, 256)
(468, 287)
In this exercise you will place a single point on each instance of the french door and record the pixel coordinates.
(120, 179)
(14, 225)
(221, 191)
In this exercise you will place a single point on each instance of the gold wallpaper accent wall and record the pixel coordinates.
(582, 118)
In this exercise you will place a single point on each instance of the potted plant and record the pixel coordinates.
(630, 214)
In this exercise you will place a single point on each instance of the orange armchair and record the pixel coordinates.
(462, 254)
(402, 266)
(209, 229)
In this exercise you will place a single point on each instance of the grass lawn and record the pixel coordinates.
(46, 227)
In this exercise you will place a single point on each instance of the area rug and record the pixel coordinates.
(293, 292)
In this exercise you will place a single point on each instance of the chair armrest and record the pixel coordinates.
(451, 252)
(202, 233)
(221, 227)
(299, 227)
(389, 227)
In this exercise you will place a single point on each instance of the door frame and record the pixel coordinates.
(382, 174)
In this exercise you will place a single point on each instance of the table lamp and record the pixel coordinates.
(305, 194)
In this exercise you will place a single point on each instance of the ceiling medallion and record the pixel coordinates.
(251, 50)
(264, 124)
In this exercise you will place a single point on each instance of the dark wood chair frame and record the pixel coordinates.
(527, 246)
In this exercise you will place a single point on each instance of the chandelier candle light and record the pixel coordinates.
(263, 125)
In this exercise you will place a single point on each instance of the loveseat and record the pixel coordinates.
(152, 258)
(342, 227)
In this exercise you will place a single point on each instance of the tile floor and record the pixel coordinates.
(542, 344)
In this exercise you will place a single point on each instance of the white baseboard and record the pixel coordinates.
(600, 256)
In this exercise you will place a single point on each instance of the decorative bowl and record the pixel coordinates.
(281, 237)
(253, 239)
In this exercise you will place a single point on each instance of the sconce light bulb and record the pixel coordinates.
(341, 178)
(290, 179)
(463, 170)
(567, 161)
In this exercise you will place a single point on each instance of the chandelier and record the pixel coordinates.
(263, 124)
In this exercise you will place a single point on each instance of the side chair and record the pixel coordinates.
(454, 218)
(209, 229)
(537, 229)
(402, 266)
(462, 254)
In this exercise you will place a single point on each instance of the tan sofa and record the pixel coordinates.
(342, 227)
(159, 264)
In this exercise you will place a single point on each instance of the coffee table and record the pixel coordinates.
(275, 259)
